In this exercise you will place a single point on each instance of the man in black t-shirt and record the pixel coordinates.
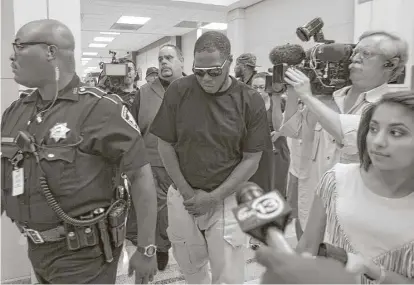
(212, 131)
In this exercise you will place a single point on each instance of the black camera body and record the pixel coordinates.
(112, 77)
(326, 64)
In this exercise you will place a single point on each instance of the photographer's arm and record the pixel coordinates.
(328, 118)
(292, 119)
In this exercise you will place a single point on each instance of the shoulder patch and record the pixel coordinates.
(127, 116)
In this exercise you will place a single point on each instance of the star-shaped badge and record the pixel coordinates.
(59, 131)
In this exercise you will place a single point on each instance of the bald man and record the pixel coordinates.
(60, 145)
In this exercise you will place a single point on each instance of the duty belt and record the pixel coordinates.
(52, 235)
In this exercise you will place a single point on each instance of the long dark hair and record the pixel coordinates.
(404, 98)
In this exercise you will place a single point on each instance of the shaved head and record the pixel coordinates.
(52, 32)
(40, 48)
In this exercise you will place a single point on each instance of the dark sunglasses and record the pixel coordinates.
(212, 71)
(19, 46)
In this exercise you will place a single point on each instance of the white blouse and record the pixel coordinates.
(360, 221)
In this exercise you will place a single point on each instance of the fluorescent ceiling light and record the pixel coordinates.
(90, 53)
(95, 45)
(215, 26)
(109, 33)
(211, 2)
(91, 68)
(133, 20)
(103, 39)
(86, 58)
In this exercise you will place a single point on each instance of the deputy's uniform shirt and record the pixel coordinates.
(210, 132)
(83, 135)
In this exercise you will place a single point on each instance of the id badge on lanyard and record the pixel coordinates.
(17, 174)
(18, 181)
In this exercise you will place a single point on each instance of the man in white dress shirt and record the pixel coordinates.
(328, 126)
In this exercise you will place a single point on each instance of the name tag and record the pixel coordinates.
(18, 182)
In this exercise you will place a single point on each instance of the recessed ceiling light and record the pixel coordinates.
(90, 53)
(210, 2)
(215, 26)
(103, 39)
(95, 45)
(133, 20)
(109, 33)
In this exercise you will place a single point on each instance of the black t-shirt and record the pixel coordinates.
(210, 132)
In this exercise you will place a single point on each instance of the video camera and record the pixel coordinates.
(326, 64)
(112, 77)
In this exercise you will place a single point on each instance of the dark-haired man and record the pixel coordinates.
(245, 68)
(212, 131)
(151, 74)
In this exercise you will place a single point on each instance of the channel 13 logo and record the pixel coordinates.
(265, 207)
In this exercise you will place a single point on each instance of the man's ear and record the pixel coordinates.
(51, 52)
(392, 63)
(230, 58)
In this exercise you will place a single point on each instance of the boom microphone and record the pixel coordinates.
(257, 211)
(335, 52)
(289, 54)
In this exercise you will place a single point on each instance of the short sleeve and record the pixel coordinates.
(164, 123)
(112, 132)
(258, 134)
(349, 126)
(326, 189)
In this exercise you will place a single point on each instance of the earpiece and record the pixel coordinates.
(57, 73)
(388, 64)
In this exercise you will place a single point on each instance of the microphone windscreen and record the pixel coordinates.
(333, 52)
(289, 54)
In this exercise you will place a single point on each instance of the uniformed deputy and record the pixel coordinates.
(59, 147)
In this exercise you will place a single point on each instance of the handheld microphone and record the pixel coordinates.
(289, 54)
(257, 211)
(306, 32)
(335, 52)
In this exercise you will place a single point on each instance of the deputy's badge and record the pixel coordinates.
(127, 116)
(59, 131)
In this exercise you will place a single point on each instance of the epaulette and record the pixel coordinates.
(95, 91)
(25, 93)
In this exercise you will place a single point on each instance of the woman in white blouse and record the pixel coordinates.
(368, 208)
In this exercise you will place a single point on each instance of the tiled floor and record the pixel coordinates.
(172, 273)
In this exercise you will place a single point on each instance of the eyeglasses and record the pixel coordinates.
(212, 71)
(19, 46)
(365, 53)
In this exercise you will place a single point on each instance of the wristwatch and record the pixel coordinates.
(148, 251)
